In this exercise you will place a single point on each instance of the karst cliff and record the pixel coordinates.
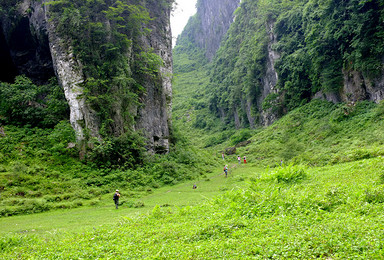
(276, 56)
(113, 60)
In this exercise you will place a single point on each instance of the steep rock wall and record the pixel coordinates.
(214, 18)
(270, 79)
(356, 87)
(70, 76)
(44, 50)
(155, 116)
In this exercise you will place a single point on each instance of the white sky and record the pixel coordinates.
(180, 16)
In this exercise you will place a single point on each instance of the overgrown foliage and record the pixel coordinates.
(24, 103)
(106, 37)
(289, 174)
(40, 170)
(316, 42)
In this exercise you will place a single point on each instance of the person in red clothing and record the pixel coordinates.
(245, 159)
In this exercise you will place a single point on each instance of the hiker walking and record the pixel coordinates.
(245, 159)
(239, 159)
(116, 198)
(226, 170)
(222, 156)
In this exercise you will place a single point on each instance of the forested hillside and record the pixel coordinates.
(279, 55)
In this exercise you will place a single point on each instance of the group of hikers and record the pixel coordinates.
(116, 196)
(238, 159)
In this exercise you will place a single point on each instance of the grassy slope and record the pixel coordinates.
(105, 214)
(329, 214)
(334, 212)
(39, 173)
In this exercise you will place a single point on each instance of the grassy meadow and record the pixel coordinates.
(330, 212)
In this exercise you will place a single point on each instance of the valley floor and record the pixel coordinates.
(330, 212)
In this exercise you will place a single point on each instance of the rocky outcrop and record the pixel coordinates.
(356, 87)
(31, 45)
(214, 18)
(270, 79)
(35, 50)
(155, 116)
(69, 73)
(24, 46)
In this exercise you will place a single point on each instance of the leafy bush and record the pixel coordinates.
(343, 112)
(379, 113)
(290, 174)
(24, 103)
(125, 151)
(333, 198)
(240, 136)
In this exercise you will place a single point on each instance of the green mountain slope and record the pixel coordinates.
(278, 55)
(321, 133)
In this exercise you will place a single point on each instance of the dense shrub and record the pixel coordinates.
(240, 136)
(24, 103)
(289, 174)
(374, 196)
(125, 151)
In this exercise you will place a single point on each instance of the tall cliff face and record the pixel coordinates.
(270, 79)
(155, 117)
(69, 73)
(31, 44)
(278, 56)
(210, 24)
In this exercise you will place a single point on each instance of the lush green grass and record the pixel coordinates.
(104, 212)
(334, 212)
(39, 173)
(320, 133)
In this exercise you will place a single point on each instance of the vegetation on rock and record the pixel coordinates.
(316, 41)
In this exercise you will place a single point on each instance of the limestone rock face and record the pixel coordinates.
(30, 45)
(155, 116)
(270, 79)
(68, 71)
(214, 18)
(35, 50)
(356, 87)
